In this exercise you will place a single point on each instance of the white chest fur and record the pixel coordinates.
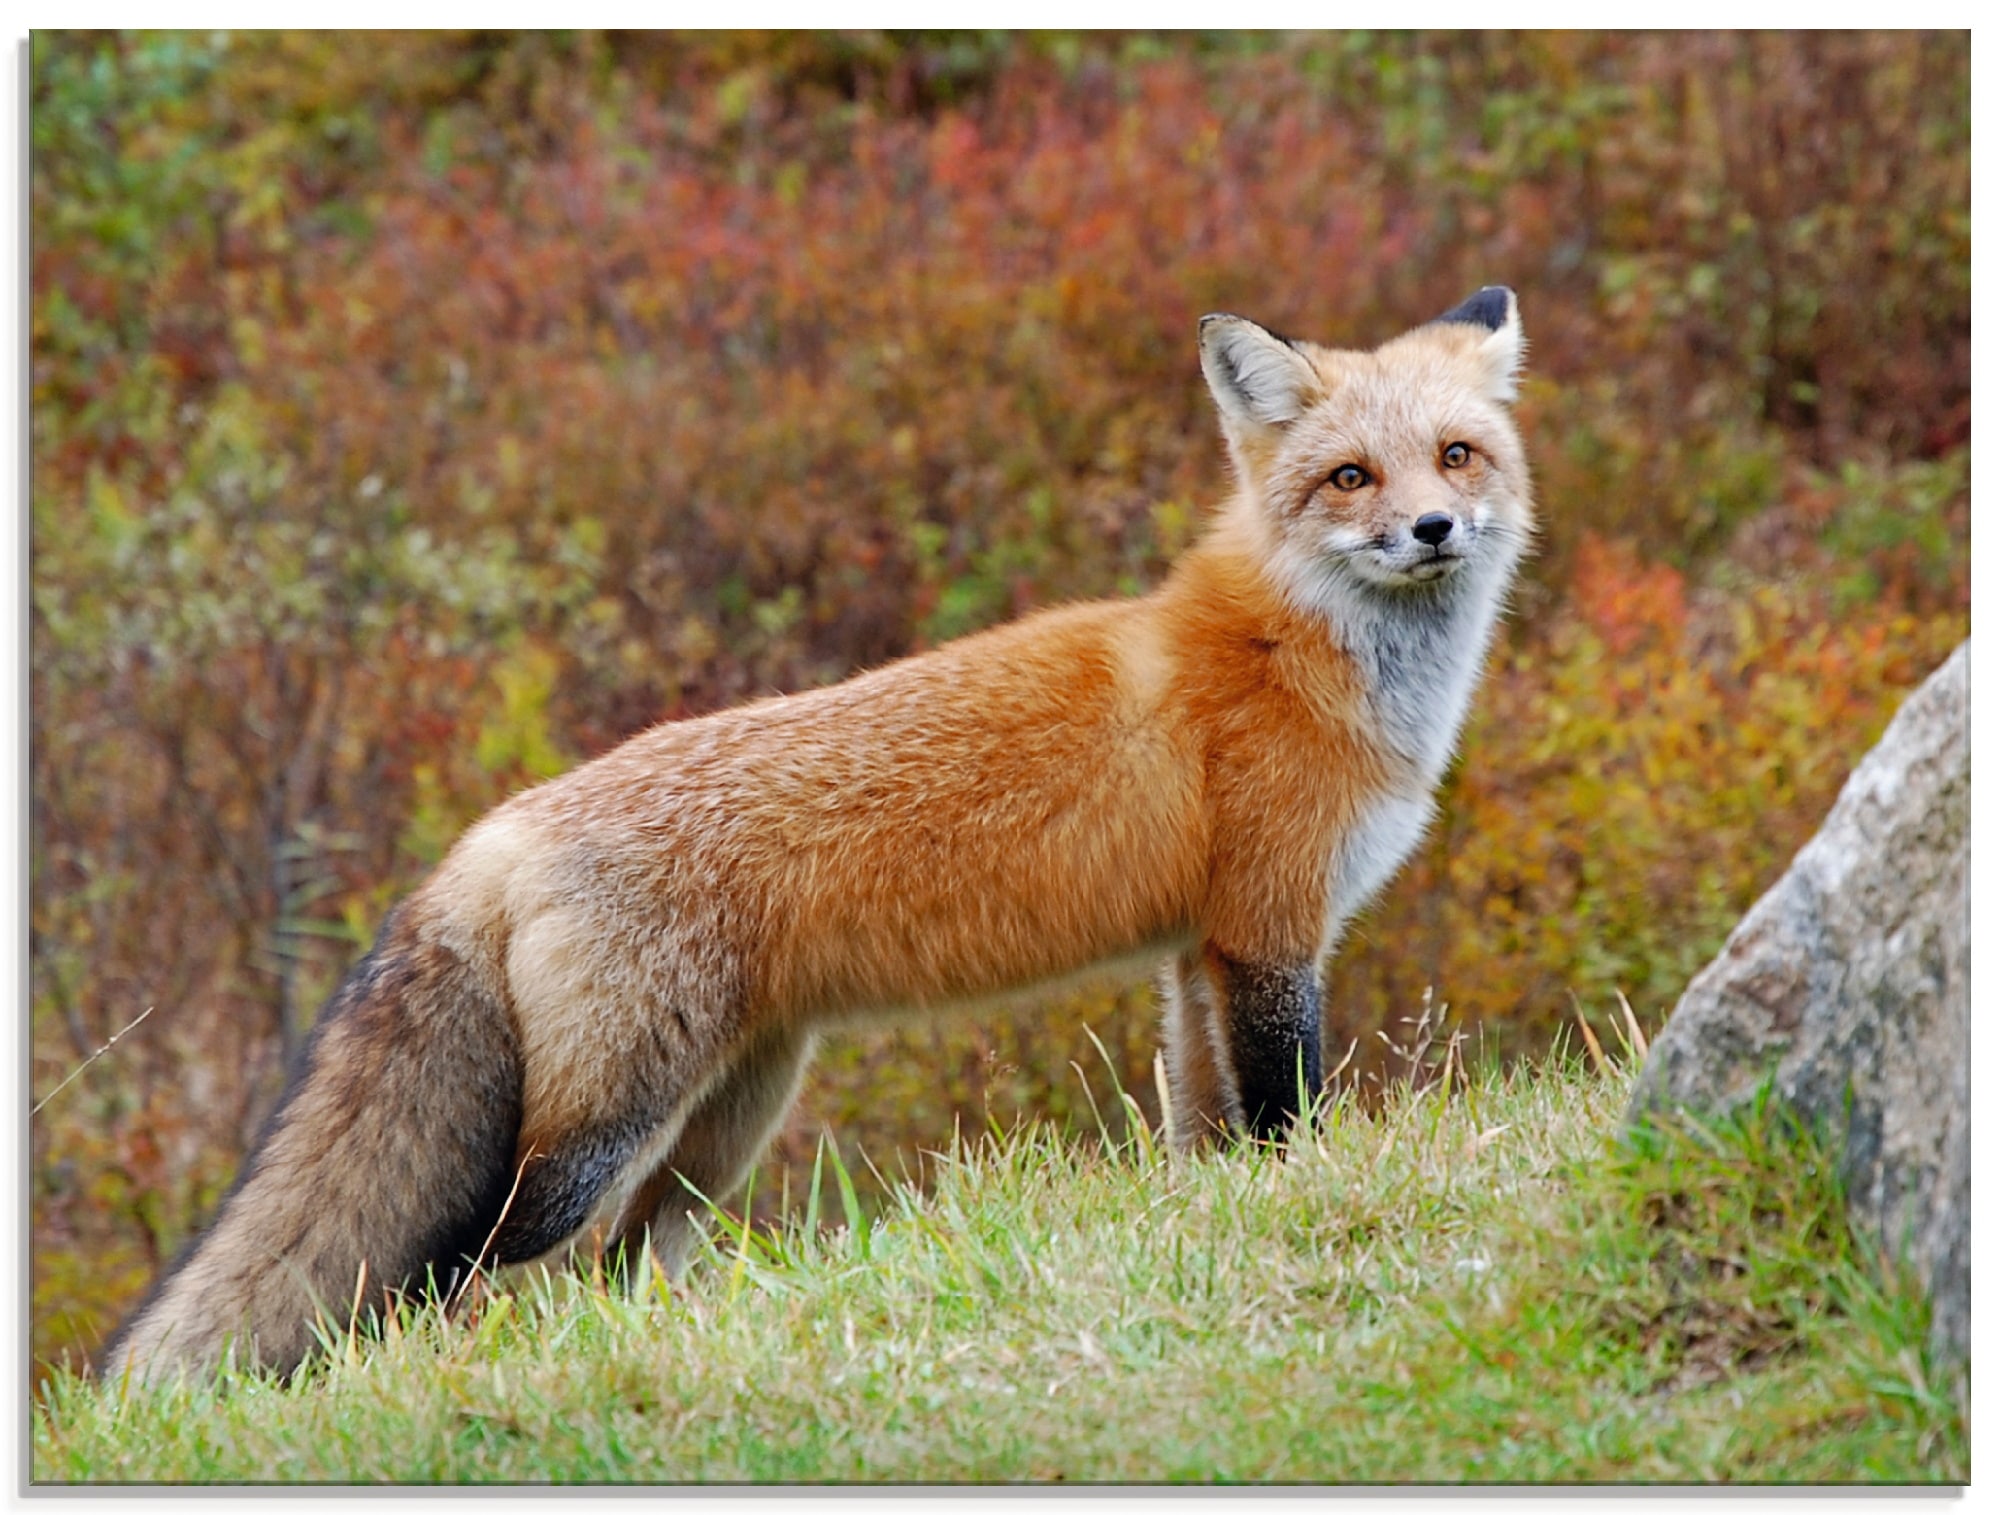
(1421, 656)
(1368, 856)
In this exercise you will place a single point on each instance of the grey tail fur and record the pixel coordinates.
(393, 1148)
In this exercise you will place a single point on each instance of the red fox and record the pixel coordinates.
(612, 983)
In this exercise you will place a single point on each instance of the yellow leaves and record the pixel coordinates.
(512, 742)
(789, 183)
(737, 95)
(1202, 145)
(433, 820)
(248, 334)
(510, 458)
(515, 737)
(109, 513)
(694, 641)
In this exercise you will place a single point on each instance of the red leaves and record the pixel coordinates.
(1625, 600)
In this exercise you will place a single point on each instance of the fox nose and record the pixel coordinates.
(1432, 529)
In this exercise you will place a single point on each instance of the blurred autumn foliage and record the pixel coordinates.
(416, 415)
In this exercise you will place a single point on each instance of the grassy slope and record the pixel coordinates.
(1485, 1286)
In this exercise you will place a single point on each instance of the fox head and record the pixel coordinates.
(1395, 473)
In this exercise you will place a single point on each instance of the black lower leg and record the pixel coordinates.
(558, 1190)
(1274, 1042)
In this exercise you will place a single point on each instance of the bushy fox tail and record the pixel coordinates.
(393, 1148)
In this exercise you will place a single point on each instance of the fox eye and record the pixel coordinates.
(1457, 455)
(1349, 477)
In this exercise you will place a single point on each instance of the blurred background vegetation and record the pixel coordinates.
(415, 416)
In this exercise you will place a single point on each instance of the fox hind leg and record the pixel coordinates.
(556, 1190)
(715, 1150)
(605, 1079)
(1243, 1040)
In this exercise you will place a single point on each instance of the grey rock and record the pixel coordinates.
(1854, 973)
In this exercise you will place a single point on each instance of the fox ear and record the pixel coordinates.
(1495, 311)
(1258, 379)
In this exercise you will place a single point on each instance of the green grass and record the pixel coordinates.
(1487, 1284)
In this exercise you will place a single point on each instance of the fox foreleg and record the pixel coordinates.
(1273, 1025)
(1243, 1043)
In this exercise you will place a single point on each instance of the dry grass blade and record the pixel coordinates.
(77, 1071)
(352, 1347)
(486, 1246)
(1597, 1057)
(1639, 1044)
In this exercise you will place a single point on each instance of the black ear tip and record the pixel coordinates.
(1488, 308)
(1216, 315)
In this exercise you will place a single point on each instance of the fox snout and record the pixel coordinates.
(1433, 528)
(1421, 549)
